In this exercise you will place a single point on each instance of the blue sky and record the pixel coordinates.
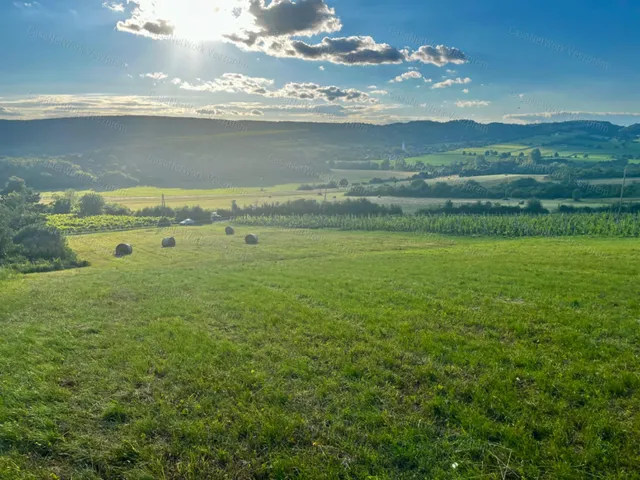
(322, 60)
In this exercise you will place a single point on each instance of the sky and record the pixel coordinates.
(377, 61)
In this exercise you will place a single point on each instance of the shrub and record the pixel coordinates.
(90, 204)
(116, 209)
(40, 242)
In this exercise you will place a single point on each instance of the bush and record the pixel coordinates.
(116, 209)
(535, 206)
(26, 242)
(90, 204)
(40, 242)
(63, 203)
(157, 211)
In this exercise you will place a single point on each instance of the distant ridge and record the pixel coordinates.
(116, 151)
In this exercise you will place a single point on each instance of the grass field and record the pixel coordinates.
(324, 354)
(140, 197)
(608, 150)
(366, 175)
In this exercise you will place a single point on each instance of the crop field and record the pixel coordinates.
(71, 224)
(140, 197)
(324, 354)
(556, 225)
(411, 205)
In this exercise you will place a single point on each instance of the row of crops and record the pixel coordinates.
(71, 224)
(601, 224)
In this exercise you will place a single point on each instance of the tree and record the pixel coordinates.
(344, 183)
(15, 184)
(535, 206)
(385, 165)
(63, 203)
(535, 156)
(90, 204)
(576, 195)
(555, 155)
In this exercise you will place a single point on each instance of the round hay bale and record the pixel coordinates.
(168, 242)
(123, 250)
(229, 231)
(251, 239)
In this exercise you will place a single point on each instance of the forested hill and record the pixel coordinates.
(165, 151)
(77, 135)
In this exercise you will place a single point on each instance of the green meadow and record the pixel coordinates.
(324, 354)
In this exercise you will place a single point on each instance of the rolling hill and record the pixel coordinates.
(107, 152)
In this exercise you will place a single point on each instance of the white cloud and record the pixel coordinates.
(451, 81)
(411, 74)
(439, 56)
(113, 6)
(379, 92)
(58, 106)
(466, 90)
(321, 67)
(239, 83)
(230, 83)
(472, 103)
(313, 91)
(252, 25)
(155, 76)
(25, 5)
(243, 21)
(372, 87)
(8, 112)
(618, 118)
(229, 110)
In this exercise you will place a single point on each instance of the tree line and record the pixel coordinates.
(523, 188)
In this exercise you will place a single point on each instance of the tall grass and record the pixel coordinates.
(557, 225)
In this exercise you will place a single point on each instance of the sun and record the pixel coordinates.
(204, 20)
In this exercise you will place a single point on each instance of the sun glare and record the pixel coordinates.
(202, 20)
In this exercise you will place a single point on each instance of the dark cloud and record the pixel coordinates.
(312, 91)
(158, 28)
(356, 50)
(284, 18)
(271, 27)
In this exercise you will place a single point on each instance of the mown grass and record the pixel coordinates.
(324, 354)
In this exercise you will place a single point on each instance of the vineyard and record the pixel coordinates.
(72, 224)
(557, 225)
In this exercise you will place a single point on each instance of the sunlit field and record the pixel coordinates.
(140, 197)
(324, 354)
